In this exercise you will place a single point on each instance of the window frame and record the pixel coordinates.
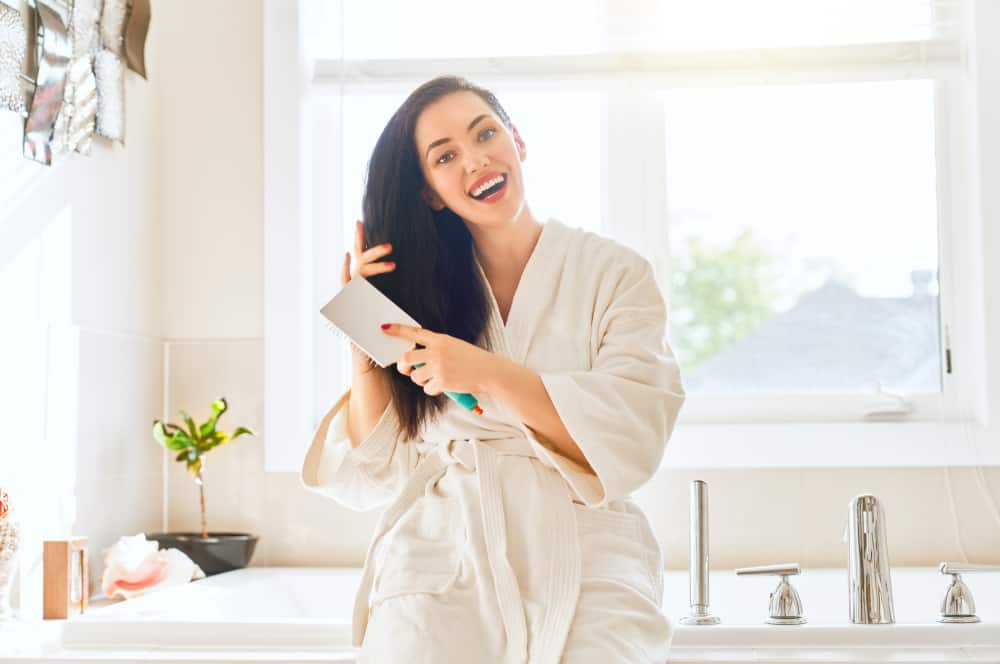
(767, 431)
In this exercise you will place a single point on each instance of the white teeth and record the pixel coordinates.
(486, 185)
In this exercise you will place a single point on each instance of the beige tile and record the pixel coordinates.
(753, 516)
(120, 392)
(211, 200)
(118, 471)
(110, 507)
(918, 528)
(201, 372)
(976, 494)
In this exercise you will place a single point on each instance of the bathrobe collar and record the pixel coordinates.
(543, 267)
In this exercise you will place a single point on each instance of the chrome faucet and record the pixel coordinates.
(868, 572)
(699, 569)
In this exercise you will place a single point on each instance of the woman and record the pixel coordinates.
(508, 536)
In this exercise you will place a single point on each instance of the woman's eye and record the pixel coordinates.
(484, 135)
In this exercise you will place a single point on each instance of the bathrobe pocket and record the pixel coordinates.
(422, 553)
(616, 546)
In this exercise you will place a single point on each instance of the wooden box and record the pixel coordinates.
(65, 578)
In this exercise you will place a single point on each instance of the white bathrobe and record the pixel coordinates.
(493, 547)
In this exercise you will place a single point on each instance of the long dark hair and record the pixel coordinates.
(436, 280)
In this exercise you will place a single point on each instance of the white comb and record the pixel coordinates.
(359, 310)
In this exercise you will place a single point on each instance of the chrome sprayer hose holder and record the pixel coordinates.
(700, 614)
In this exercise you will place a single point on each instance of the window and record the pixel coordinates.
(790, 167)
(804, 229)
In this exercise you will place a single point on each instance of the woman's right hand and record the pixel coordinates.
(367, 265)
(367, 260)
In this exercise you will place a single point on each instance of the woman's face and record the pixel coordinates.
(471, 161)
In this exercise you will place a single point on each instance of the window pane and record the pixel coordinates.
(562, 172)
(804, 237)
(710, 24)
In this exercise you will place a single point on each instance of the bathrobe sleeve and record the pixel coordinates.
(363, 477)
(622, 411)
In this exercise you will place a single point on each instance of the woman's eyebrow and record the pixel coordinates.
(445, 140)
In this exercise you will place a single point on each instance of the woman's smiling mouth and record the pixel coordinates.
(490, 189)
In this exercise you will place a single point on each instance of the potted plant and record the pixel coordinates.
(218, 551)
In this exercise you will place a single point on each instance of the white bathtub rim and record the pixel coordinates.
(109, 629)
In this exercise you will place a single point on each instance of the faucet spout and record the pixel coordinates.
(868, 571)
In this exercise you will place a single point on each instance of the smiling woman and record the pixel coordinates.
(508, 536)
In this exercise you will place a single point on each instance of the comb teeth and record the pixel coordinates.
(336, 330)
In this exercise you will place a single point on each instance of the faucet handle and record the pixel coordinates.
(785, 605)
(964, 568)
(783, 569)
(958, 605)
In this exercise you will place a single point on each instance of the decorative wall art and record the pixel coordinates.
(62, 68)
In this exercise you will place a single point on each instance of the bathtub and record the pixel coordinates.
(275, 614)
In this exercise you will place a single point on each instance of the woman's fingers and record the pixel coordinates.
(345, 274)
(376, 268)
(409, 360)
(376, 252)
(367, 260)
(359, 238)
(420, 376)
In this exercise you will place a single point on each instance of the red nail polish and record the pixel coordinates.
(385, 326)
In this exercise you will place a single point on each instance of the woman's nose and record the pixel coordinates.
(476, 161)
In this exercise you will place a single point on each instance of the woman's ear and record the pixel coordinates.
(521, 149)
(432, 199)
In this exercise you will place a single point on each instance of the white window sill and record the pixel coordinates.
(829, 445)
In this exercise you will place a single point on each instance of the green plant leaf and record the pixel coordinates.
(192, 444)
(240, 431)
(191, 425)
(160, 433)
(217, 438)
(179, 441)
(219, 406)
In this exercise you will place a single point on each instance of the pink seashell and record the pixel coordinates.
(149, 573)
(133, 566)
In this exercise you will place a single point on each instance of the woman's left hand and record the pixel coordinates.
(449, 364)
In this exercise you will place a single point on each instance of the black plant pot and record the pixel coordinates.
(220, 552)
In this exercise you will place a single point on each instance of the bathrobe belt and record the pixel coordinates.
(558, 524)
